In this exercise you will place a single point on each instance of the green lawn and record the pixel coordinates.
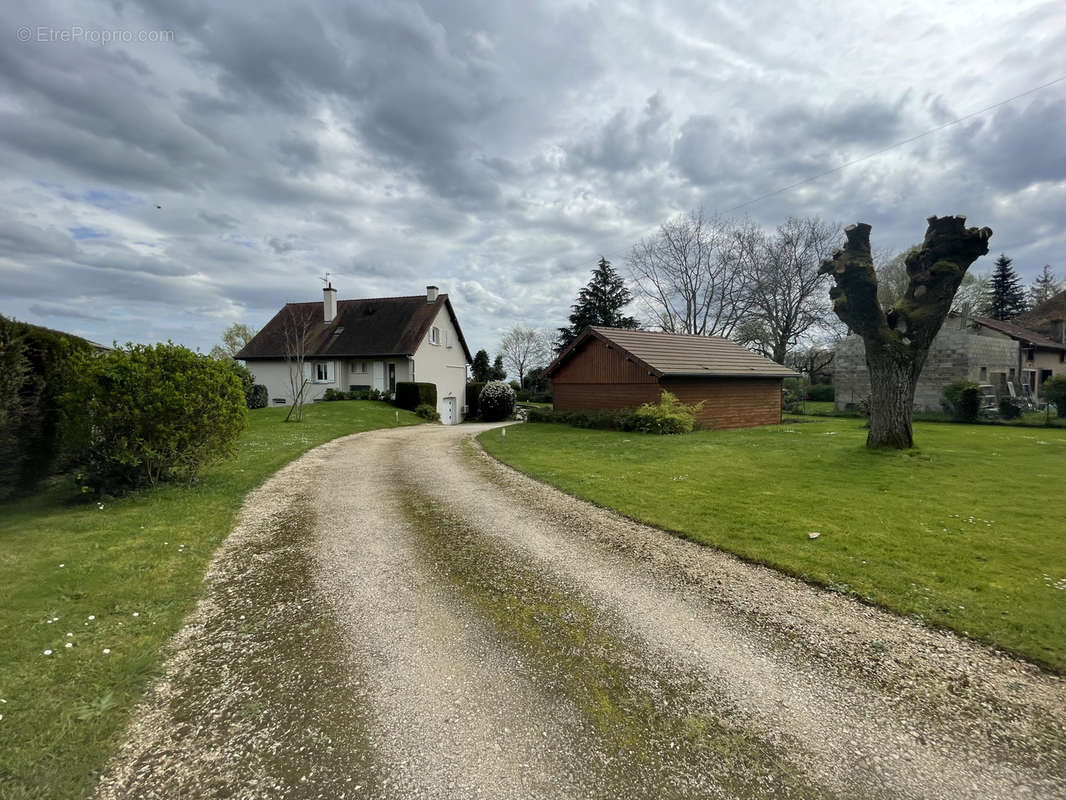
(965, 532)
(120, 577)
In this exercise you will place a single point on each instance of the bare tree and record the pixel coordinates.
(688, 277)
(523, 348)
(892, 279)
(299, 324)
(787, 290)
(897, 341)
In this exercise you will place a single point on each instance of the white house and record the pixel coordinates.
(364, 344)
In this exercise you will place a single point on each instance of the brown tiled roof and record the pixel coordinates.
(678, 355)
(1016, 331)
(379, 326)
(1040, 317)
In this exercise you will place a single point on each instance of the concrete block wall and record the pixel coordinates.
(956, 354)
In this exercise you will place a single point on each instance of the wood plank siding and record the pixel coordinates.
(730, 402)
(595, 362)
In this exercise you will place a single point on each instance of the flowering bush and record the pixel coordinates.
(496, 401)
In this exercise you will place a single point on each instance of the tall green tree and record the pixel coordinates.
(1006, 297)
(1044, 287)
(498, 371)
(481, 368)
(599, 303)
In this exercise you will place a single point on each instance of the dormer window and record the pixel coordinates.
(434, 335)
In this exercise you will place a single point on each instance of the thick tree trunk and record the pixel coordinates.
(891, 403)
(897, 341)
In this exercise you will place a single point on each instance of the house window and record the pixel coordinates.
(323, 374)
(984, 374)
(359, 366)
(434, 335)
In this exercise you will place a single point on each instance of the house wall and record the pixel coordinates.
(598, 377)
(274, 374)
(1043, 360)
(443, 364)
(956, 354)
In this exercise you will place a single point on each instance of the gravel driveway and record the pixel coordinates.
(397, 615)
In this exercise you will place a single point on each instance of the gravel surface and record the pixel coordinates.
(397, 615)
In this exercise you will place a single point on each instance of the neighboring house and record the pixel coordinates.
(978, 349)
(605, 368)
(1038, 357)
(365, 344)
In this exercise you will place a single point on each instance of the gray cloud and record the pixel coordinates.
(495, 149)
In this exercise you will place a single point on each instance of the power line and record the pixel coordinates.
(896, 144)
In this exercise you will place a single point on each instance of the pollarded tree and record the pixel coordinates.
(1006, 298)
(599, 303)
(897, 340)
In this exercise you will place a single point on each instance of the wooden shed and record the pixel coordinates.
(607, 368)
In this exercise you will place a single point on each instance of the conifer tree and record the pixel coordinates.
(1044, 287)
(481, 369)
(1006, 298)
(599, 303)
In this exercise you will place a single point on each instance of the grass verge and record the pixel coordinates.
(119, 578)
(962, 532)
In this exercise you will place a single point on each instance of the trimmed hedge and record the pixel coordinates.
(821, 393)
(145, 414)
(667, 416)
(962, 400)
(1054, 391)
(410, 395)
(473, 392)
(259, 396)
(36, 365)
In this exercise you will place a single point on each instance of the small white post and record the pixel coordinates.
(503, 433)
(397, 417)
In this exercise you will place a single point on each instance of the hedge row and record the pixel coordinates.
(36, 365)
(411, 395)
(668, 416)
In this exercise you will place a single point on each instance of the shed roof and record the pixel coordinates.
(376, 326)
(1019, 333)
(681, 355)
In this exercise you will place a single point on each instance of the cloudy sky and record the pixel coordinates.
(172, 167)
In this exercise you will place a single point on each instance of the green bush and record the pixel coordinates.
(962, 400)
(36, 365)
(667, 416)
(821, 393)
(473, 391)
(496, 401)
(606, 419)
(1053, 390)
(145, 414)
(1008, 409)
(410, 395)
(258, 398)
(426, 411)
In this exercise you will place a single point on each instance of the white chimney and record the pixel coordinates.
(329, 303)
(431, 294)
